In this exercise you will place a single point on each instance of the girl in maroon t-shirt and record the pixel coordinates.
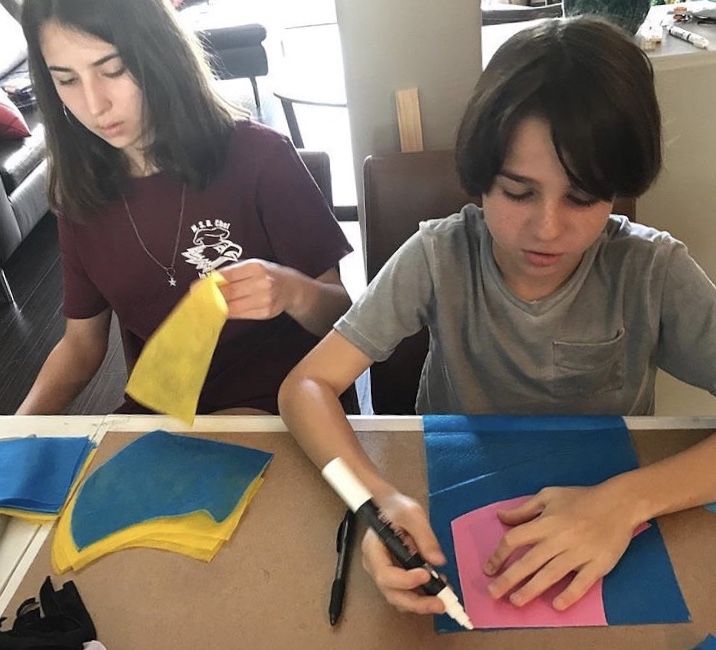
(158, 182)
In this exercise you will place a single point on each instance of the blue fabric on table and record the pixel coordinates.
(473, 461)
(163, 475)
(36, 473)
(709, 643)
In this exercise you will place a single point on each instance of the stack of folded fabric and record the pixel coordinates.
(37, 475)
(165, 491)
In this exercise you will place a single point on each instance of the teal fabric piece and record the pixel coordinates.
(709, 643)
(36, 473)
(163, 475)
(473, 461)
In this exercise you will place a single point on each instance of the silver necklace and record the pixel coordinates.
(169, 270)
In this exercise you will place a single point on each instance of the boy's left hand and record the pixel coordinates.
(570, 529)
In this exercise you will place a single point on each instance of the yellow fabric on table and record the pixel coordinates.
(29, 515)
(171, 370)
(196, 535)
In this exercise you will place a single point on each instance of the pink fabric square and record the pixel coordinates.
(12, 123)
(476, 534)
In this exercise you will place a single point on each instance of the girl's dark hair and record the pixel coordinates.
(189, 123)
(593, 86)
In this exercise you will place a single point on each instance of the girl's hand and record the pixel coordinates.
(257, 289)
(398, 585)
(582, 530)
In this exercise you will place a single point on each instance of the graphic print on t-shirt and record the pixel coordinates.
(212, 248)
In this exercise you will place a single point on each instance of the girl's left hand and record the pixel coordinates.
(569, 529)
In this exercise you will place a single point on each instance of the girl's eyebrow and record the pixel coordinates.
(95, 64)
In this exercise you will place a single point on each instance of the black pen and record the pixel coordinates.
(349, 487)
(344, 542)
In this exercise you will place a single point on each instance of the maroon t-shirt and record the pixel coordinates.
(264, 205)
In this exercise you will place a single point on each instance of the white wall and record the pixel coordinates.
(683, 201)
(389, 45)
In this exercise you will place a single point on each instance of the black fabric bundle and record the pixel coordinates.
(59, 621)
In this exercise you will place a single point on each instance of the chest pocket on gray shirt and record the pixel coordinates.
(588, 368)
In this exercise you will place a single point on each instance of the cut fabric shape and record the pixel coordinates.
(171, 370)
(38, 474)
(60, 621)
(476, 461)
(709, 643)
(476, 534)
(165, 491)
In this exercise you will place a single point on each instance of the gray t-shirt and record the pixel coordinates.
(636, 302)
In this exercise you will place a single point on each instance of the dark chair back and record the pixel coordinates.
(400, 190)
(319, 165)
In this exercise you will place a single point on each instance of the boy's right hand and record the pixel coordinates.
(398, 585)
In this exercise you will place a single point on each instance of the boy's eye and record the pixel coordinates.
(517, 196)
(582, 201)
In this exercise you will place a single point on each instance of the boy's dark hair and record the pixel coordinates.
(190, 125)
(594, 87)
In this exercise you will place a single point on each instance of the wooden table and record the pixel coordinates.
(269, 586)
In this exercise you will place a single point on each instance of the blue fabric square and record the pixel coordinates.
(474, 461)
(36, 473)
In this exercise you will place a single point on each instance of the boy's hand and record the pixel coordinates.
(398, 585)
(572, 529)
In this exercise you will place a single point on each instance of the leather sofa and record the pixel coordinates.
(23, 167)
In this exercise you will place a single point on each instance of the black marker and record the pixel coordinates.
(344, 542)
(360, 500)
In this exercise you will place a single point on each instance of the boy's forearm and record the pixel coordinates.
(315, 417)
(676, 483)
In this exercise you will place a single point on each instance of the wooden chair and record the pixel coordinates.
(400, 190)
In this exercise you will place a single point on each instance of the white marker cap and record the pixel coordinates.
(346, 484)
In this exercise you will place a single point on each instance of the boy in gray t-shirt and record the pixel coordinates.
(540, 301)
(636, 301)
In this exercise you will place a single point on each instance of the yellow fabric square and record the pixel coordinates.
(171, 370)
